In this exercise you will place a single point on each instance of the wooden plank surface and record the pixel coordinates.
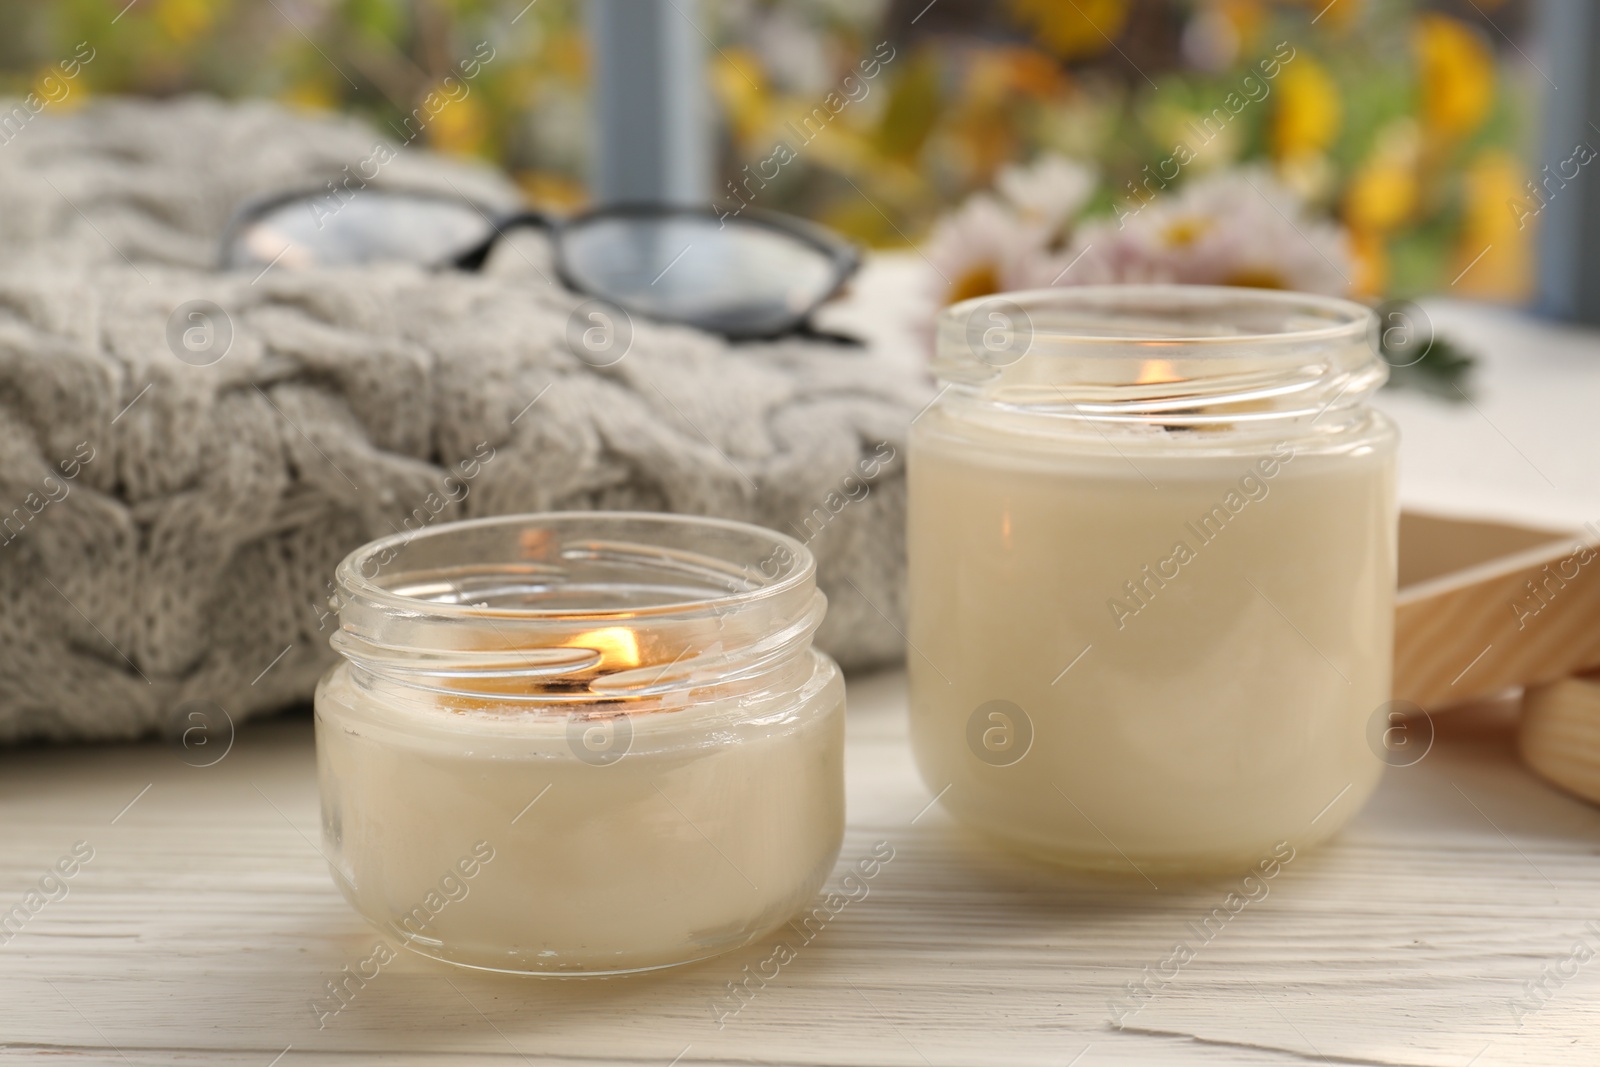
(205, 925)
(1507, 620)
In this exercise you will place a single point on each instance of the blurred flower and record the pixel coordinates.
(1382, 193)
(1370, 251)
(1049, 193)
(1493, 252)
(996, 244)
(974, 87)
(1457, 75)
(461, 127)
(185, 20)
(1309, 110)
(982, 247)
(1240, 227)
(1075, 28)
(1381, 196)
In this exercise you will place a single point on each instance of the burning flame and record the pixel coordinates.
(1156, 372)
(618, 647)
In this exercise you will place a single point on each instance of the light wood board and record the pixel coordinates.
(206, 922)
(1485, 607)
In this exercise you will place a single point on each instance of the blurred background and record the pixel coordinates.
(1412, 125)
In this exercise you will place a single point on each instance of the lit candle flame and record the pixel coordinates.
(618, 646)
(1155, 372)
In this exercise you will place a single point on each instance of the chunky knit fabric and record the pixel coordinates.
(170, 529)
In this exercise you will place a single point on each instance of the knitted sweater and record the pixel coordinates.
(170, 522)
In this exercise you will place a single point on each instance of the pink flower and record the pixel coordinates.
(983, 247)
(1242, 227)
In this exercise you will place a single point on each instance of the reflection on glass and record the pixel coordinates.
(744, 279)
(367, 228)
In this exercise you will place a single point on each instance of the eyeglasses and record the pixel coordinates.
(757, 275)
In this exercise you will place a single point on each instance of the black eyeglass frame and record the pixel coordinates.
(844, 257)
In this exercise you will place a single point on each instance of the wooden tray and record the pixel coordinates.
(1487, 606)
(1559, 734)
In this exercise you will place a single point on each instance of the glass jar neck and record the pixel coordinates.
(1168, 357)
(552, 612)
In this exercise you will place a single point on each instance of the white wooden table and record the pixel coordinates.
(206, 924)
(1455, 922)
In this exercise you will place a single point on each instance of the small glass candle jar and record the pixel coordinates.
(1152, 570)
(580, 743)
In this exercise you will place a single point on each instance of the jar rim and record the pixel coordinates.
(799, 569)
(1343, 318)
(1164, 356)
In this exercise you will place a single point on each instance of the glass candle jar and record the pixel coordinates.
(580, 743)
(1152, 571)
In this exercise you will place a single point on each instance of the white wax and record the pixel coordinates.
(719, 823)
(1221, 710)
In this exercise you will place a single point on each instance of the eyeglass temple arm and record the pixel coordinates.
(474, 257)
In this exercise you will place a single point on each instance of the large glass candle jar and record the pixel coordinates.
(1152, 569)
(580, 743)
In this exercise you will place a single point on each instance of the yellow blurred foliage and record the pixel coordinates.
(1309, 111)
(565, 56)
(546, 189)
(310, 95)
(1382, 194)
(461, 127)
(860, 221)
(1032, 73)
(1457, 72)
(969, 92)
(1073, 29)
(1246, 17)
(48, 85)
(982, 126)
(1335, 14)
(1372, 263)
(1488, 230)
(739, 83)
(185, 20)
(1381, 198)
